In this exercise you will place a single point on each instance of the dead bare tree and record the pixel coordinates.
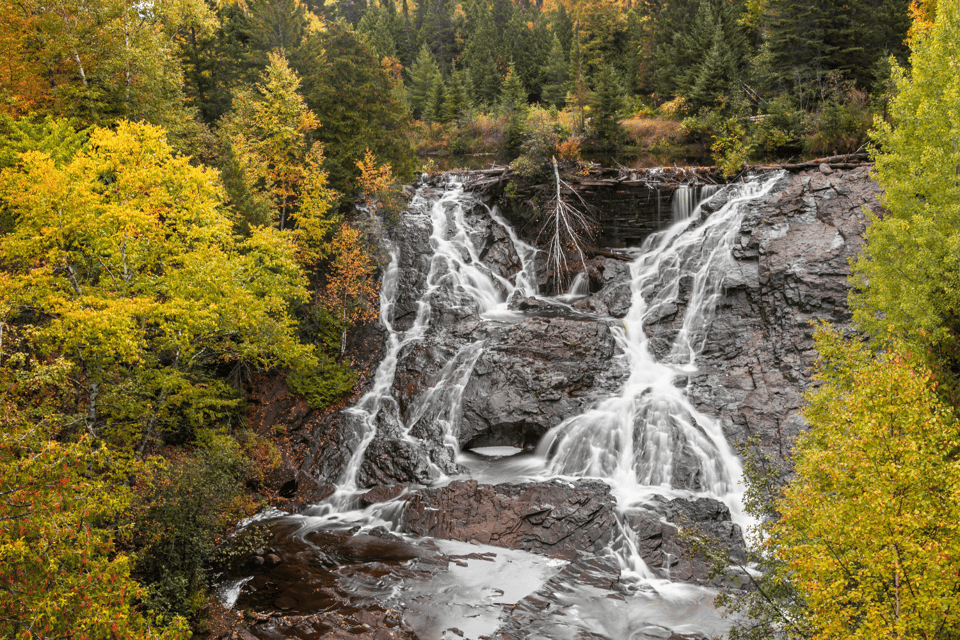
(566, 230)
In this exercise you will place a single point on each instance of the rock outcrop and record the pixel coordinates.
(549, 518)
(792, 270)
(467, 382)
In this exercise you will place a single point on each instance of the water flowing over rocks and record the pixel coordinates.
(792, 265)
(578, 444)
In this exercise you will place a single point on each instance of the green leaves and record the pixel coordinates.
(60, 574)
(908, 278)
(122, 261)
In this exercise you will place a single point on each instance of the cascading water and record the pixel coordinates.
(455, 266)
(687, 197)
(645, 440)
(650, 436)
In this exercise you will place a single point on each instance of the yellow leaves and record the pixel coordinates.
(268, 134)
(317, 214)
(872, 491)
(60, 574)
(374, 177)
(351, 290)
(122, 258)
(923, 13)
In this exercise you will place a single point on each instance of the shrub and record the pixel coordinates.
(540, 140)
(186, 507)
(841, 124)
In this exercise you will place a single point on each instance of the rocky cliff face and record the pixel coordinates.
(459, 381)
(792, 269)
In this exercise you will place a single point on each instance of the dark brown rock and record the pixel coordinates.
(548, 518)
(383, 493)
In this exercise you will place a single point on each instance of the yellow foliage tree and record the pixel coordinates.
(122, 262)
(60, 574)
(268, 132)
(869, 526)
(351, 290)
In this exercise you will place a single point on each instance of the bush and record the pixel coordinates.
(841, 124)
(330, 382)
(726, 135)
(540, 139)
(779, 130)
(186, 506)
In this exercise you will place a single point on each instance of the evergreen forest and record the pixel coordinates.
(194, 197)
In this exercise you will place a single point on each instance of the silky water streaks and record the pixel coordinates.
(649, 437)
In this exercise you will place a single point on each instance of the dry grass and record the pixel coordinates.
(646, 131)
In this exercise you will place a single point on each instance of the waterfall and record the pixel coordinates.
(457, 268)
(687, 197)
(650, 435)
(645, 439)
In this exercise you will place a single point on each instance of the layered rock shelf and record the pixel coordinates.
(460, 378)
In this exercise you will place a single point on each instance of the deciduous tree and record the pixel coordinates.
(908, 277)
(122, 263)
(269, 132)
(868, 526)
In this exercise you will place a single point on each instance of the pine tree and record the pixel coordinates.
(456, 102)
(438, 31)
(805, 41)
(434, 110)
(715, 41)
(716, 74)
(562, 27)
(375, 27)
(528, 51)
(351, 94)
(606, 103)
(423, 75)
(513, 101)
(479, 57)
(556, 75)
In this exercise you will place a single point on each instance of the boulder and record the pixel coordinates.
(530, 377)
(546, 517)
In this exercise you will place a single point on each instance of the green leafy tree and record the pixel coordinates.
(908, 276)
(179, 519)
(103, 60)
